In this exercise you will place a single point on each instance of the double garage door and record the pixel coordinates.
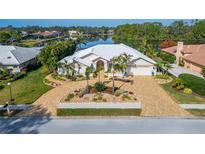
(147, 71)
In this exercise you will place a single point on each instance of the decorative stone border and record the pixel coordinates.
(95, 105)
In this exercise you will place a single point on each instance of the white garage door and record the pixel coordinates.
(142, 71)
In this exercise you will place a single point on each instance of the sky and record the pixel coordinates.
(79, 22)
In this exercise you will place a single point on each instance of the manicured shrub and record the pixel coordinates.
(69, 97)
(126, 97)
(99, 98)
(162, 76)
(195, 83)
(187, 91)
(100, 86)
(178, 84)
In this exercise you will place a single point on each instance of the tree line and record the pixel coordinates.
(151, 35)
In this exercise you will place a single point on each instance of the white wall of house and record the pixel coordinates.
(142, 67)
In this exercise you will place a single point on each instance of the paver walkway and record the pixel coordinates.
(154, 100)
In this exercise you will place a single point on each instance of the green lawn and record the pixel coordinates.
(181, 97)
(27, 89)
(197, 84)
(28, 43)
(197, 112)
(98, 112)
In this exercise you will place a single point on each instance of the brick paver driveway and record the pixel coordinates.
(155, 101)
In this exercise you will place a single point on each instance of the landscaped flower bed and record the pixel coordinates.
(99, 92)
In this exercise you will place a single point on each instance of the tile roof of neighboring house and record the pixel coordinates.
(106, 51)
(170, 50)
(13, 55)
(196, 53)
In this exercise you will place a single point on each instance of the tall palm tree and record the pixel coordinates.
(124, 59)
(116, 67)
(70, 71)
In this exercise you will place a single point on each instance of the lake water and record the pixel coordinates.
(96, 41)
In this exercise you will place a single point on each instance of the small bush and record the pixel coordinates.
(180, 87)
(179, 84)
(57, 77)
(119, 92)
(126, 97)
(1, 86)
(162, 76)
(187, 91)
(69, 97)
(47, 81)
(82, 91)
(17, 76)
(99, 98)
(100, 86)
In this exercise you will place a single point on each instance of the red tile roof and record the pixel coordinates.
(197, 56)
(196, 53)
(171, 50)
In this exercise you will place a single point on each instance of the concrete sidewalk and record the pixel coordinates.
(193, 106)
(177, 70)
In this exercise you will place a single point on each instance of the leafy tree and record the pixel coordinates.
(4, 37)
(51, 54)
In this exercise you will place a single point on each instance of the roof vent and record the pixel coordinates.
(9, 57)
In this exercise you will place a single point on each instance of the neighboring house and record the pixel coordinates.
(48, 34)
(73, 34)
(191, 56)
(101, 55)
(16, 58)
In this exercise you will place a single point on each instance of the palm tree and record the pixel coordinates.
(159, 65)
(124, 59)
(167, 66)
(88, 71)
(70, 71)
(116, 67)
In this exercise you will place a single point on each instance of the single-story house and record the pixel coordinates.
(191, 56)
(101, 55)
(16, 58)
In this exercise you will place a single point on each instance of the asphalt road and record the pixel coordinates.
(48, 125)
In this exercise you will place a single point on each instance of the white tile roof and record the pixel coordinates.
(13, 55)
(107, 51)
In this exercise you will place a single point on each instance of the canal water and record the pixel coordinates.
(96, 41)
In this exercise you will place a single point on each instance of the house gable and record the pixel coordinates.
(141, 62)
